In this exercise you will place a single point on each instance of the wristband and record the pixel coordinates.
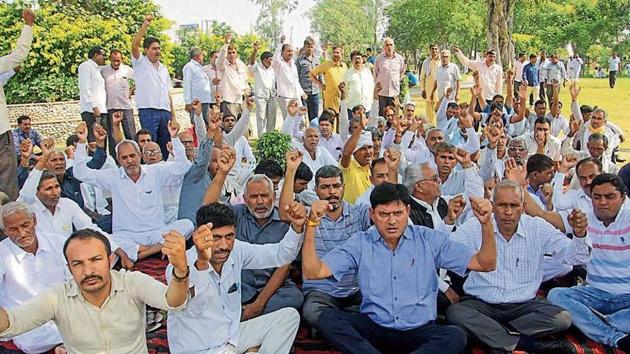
(181, 279)
(311, 223)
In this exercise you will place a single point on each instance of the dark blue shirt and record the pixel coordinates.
(530, 74)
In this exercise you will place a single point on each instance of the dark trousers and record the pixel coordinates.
(500, 326)
(204, 113)
(384, 102)
(156, 122)
(357, 333)
(541, 93)
(90, 120)
(312, 104)
(316, 302)
(8, 166)
(612, 78)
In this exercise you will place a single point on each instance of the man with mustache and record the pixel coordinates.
(465, 180)
(257, 222)
(99, 298)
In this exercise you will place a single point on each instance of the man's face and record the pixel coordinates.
(445, 59)
(596, 148)
(586, 174)
(540, 178)
(542, 128)
(115, 59)
(228, 123)
(330, 189)
(376, 146)
(287, 53)
(433, 138)
(390, 219)
(213, 58)
(532, 60)
(311, 139)
(231, 55)
(540, 109)
(410, 111)
(518, 152)
(308, 50)
(152, 153)
(507, 208)
(452, 112)
(364, 155)
(49, 192)
(143, 139)
(89, 264)
(213, 167)
(445, 161)
(300, 185)
(388, 46)
(430, 187)
(501, 143)
(491, 58)
(154, 52)
(129, 159)
(357, 60)
(189, 145)
(325, 128)
(57, 163)
(267, 62)
(607, 201)
(554, 59)
(224, 237)
(25, 126)
(99, 58)
(380, 174)
(337, 54)
(434, 51)
(259, 199)
(597, 119)
(20, 229)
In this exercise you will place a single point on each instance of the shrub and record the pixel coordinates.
(273, 145)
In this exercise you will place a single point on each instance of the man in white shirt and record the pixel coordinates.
(196, 84)
(117, 77)
(574, 67)
(287, 80)
(519, 64)
(428, 76)
(264, 90)
(153, 86)
(138, 217)
(464, 181)
(447, 76)
(214, 75)
(556, 73)
(215, 265)
(586, 170)
(490, 73)
(328, 138)
(30, 263)
(359, 83)
(541, 63)
(540, 140)
(234, 79)
(389, 67)
(614, 66)
(92, 95)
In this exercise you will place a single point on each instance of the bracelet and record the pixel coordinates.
(181, 279)
(311, 223)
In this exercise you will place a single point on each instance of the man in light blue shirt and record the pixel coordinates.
(395, 264)
(211, 322)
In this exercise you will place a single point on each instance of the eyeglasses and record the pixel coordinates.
(152, 152)
(435, 178)
(517, 149)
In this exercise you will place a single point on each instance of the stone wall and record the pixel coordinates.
(58, 120)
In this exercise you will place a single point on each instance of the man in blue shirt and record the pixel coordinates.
(395, 264)
(530, 77)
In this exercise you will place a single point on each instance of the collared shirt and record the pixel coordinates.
(613, 63)
(542, 69)
(118, 326)
(117, 86)
(530, 74)
(465, 181)
(213, 73)
(304, 66)
(91, 87)
(264, 81)
(19, 136)
(8, 62)
(518, 70)
(334, 144)
(68, 217)
(490, 77)
(519, 270)
(364, 199)
(196, 83)
(139, 205)
(558, 124)
(333, 75)
(399, 287)
(356, 180)
(555, 72)
(287, 81)
(234, 78)
(552, 147)
(334, 233)
(322, 158)
(360, 87)
(388, 71)
(571, 199)
(428, 73)
(447, 77)
(217, 300)
(153, 85)
(574, 67)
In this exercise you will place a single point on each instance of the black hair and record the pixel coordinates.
(452, 105)
(227, 115)
(356, 108)
(141, 132)
(328, 171)
(387, 193)
(598, 136)
(368, 50)
(539, 102)
(303, 172)
(498, 96)
(533, 56)
(355, 53)
(376, 162)
(87, 234)
(270, 168)
(327, 115)
(46, 175)
(72, 140)
(22, 118)
(539, 163)
(520, 54)
(95, 50)
(148, 41)
(265, 55)
(217, 213)
(376, 133)
(592, 160)
(542, 120)
(611, 178)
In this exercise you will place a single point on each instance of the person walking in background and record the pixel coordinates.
(614, 66)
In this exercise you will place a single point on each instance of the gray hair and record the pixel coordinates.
(128, 142)
(597, 110)
(599, 137)
(11, 208)
(260, 178)
(381, 120)
(508, 184)
(413, 174)
(517, 139)
(431, 130)
(194, 51)
(445, 52)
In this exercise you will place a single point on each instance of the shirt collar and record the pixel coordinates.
(520, 228)
(376, 236)
(122, 174)
(427, 205)
(43, 245)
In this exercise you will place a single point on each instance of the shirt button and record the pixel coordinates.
(394, 277)
(395, 299)
(396, 318)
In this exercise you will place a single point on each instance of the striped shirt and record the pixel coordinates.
(520, 260)
(608, 269)
(332, 233)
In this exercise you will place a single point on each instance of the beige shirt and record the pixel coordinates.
(118, 327)
(8, 62)
(117, 86)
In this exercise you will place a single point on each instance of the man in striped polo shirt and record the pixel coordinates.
(601, 309)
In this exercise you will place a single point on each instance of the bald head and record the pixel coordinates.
(151, 153)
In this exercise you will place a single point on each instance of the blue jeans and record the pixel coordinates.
(312, 103)
(156, 122)
(580, 301)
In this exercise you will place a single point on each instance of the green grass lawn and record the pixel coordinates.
(595, 92)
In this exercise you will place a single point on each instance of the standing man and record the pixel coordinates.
(575, 67)
(555, 73)
(117, 76)
(519, 64)
(8, 161)
(234, 80)
(264, 90)
(614, 66)
(333, 71)
(530, 75)
(389, 67)
(92, 95)
(428, 76)
(196, 84)
(305, 64)
(490, 73)
(214, 75)
(153, 86)
(287, 80)
(447, 77)
(359, 83)
(542, 73)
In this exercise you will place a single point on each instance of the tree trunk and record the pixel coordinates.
(500, 26)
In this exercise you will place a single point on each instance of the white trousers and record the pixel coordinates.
(39, 340)
(131, 241)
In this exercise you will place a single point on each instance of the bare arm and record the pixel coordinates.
(226, 161)
(351, 144)
(137, 39)
(485, 260)
(312, 265)
(293, 158)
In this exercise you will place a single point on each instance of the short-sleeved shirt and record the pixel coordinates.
(152, 84)
(304, 66)
(613, 63)
(356, 180)
(447, 77)
(399, 287)
(333, 75)
(117, 86)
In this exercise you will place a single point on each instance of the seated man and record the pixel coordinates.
(100, 298)
(395, 264)
(601, 308)
(23, 132)
(30, 263)
(457, 181)
(380, 171)
(356, 157)
(138, 217)
(540, 172)
(257, 222)
(216, 263)
(586, 170)
(502, 310)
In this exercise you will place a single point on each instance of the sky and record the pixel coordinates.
(239, 14)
